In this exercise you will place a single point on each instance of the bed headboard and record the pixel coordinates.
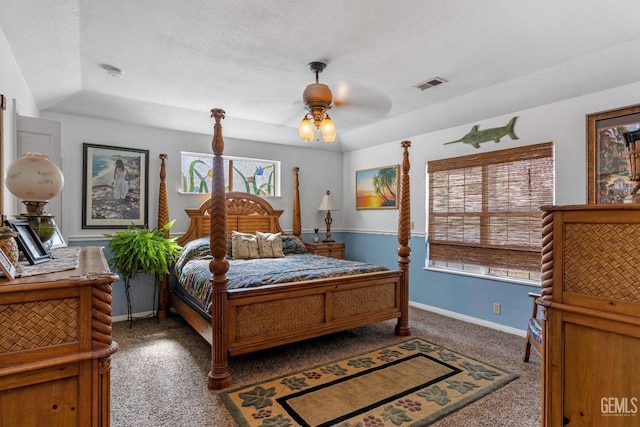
(246, 213)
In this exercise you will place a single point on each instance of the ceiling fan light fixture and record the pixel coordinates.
(317, 98)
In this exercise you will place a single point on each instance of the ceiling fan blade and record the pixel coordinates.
(357, 104)
(293, 114)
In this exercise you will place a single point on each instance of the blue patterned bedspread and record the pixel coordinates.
(194, 274)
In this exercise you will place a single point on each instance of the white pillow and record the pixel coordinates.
(269, 245)
(244, 246)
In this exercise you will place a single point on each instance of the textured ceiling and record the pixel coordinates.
(183, 57)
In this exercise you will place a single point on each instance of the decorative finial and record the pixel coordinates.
(217, 144)
(217, 114)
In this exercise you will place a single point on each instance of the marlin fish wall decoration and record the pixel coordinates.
(475, 136)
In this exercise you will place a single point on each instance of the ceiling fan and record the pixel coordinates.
(354, 105)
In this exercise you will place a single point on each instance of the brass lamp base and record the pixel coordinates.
(40, 221)
(327, 222)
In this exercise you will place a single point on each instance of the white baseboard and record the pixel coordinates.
(124, 318)
(469, 319)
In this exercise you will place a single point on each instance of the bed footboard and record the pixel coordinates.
(264, 318)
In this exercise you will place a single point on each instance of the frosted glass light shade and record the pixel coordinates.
(34, 178)
(305, 130)
(328, 129)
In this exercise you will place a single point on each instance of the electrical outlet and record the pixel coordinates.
(496, 308)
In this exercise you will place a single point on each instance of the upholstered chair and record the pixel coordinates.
(534, 331)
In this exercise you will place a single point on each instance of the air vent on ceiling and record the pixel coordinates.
(430, 83)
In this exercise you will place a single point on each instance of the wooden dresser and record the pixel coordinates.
(56, 346)
(591, 336)
(331, 249)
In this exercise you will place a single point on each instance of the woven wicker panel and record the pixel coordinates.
(39, 324)
(278, 316)
(599, 261)
(353, 302)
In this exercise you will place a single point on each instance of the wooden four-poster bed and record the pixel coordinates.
(245, 319)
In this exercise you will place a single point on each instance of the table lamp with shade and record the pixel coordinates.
(35, 179)
(328, 204)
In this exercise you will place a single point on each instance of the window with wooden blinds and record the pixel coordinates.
(484, 210)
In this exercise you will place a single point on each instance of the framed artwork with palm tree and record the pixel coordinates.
(377, 188)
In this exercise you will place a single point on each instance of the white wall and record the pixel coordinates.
(563, 122)
(14, 88)
(320, 170)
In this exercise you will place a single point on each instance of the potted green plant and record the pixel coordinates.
(142, 249)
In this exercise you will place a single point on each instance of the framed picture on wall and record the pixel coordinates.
(607, 160)
(377, 188)
(114, 186)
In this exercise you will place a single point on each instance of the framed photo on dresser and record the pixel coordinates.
(6, 267)
(56, 241)
(29, 242)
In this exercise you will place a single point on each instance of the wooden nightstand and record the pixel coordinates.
(331, 249)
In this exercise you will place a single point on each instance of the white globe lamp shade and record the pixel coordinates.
(34, 178)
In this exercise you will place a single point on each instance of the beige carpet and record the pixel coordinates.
(159, 375)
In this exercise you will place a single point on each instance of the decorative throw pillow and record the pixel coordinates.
(292, 245)
(195, 249)
(269, 245)
(244, 246)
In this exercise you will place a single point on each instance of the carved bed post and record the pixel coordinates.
(220, 375)
(163, 219)
(297, 222)
(163, 204)
(404, 251)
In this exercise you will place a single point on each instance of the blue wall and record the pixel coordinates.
(467, 295)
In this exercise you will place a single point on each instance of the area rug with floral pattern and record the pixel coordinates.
(412, 383)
